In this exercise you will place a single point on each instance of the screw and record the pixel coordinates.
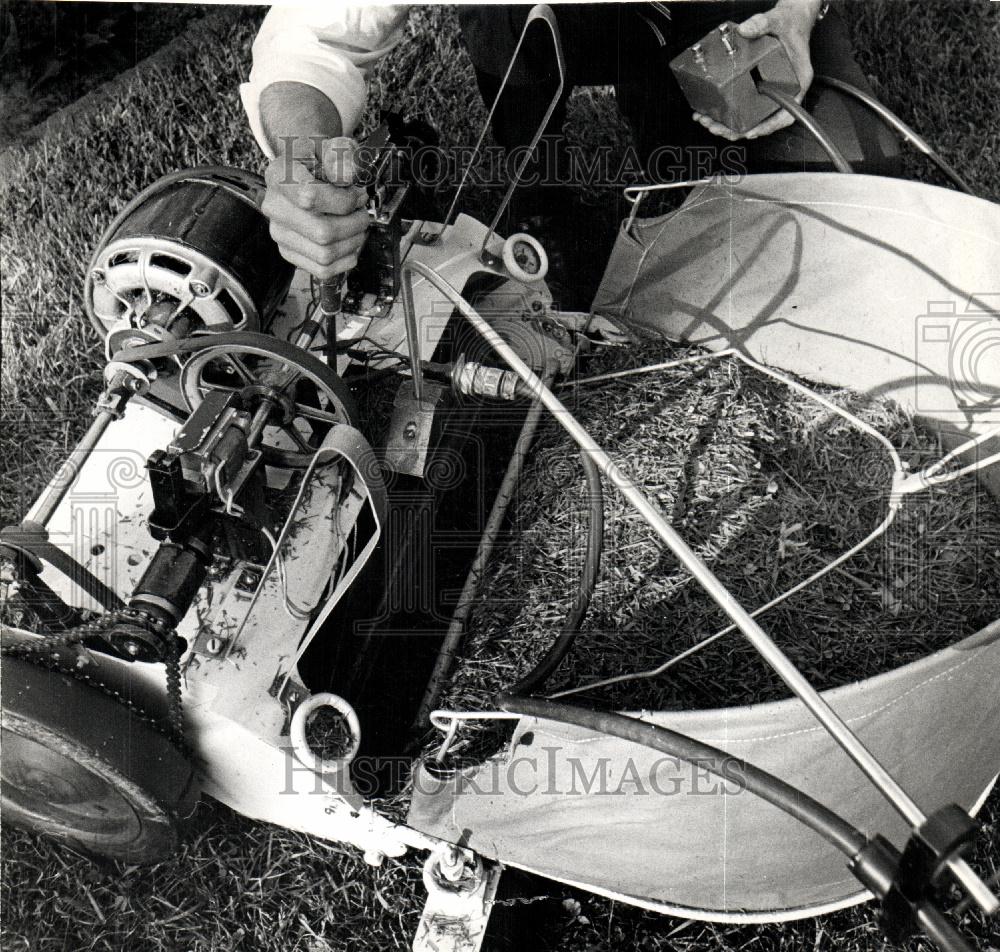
(410, 431)
(200, 289)
(249, 579)
(98, 276)
(214, 645)
(132, 648)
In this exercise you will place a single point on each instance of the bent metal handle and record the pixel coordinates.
(762, 642)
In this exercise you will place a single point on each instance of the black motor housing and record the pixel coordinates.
(192, 250)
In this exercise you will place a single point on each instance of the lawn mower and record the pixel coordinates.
(237, 585)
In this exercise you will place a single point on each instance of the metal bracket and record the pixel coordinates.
(460, 893)
(411, 429)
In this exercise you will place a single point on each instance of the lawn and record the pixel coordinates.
(243, 886)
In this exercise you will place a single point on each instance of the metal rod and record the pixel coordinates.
(446, 654)
(412, 338)
(541, 11)
(762, 642)
(70, 469)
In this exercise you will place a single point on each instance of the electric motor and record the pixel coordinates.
(192, 253)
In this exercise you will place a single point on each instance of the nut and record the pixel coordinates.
(200, 289)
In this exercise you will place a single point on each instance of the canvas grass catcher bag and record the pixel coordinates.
(890, 288)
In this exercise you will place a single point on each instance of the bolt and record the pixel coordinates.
(537, 305)
(410, 430)
(214, 645)
(452, 864)
(132, 648)
(249, 580)
(727, 40)
(200, 289)
(98, 276)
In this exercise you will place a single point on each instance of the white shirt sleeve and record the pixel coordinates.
(327, 45)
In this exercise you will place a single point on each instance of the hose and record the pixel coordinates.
(801, 115)
(891, 119)
(552, 658)
(834, 829)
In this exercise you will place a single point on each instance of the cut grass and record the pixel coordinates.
(241, 885)
(769, 487)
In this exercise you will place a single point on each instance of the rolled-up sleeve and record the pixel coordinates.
(327, 46)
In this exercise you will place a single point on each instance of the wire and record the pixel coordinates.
(729, 629)
(801, 115)
(552, 658)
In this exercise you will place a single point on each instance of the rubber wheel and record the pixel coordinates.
(81, 767)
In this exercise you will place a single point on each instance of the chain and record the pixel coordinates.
(175, 715)
(65, 640)
(43, 650)
(520, 900)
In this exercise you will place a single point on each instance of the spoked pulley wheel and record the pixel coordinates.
(80, 766)
(306, 397)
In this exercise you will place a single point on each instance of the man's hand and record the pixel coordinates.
(792, 22)
(318, 222)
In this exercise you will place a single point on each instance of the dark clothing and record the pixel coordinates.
(629, 46)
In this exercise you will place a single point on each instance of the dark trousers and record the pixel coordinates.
(629, 46)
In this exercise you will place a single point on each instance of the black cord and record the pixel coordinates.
(833, 828)
(552, 658)
(801, 115)
(891, 119)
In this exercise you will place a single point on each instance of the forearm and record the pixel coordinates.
(290, 110)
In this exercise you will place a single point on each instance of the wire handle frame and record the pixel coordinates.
(543, 12)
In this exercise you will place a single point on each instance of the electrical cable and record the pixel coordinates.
(801, 115)
(837, 831)
(552, 658)
(891, 119)
(819, 818)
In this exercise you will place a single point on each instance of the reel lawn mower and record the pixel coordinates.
(274, 468)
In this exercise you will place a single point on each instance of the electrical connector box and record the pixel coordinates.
(719, 76)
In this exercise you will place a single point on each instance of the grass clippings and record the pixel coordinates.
(240, 885)
(768, 487)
